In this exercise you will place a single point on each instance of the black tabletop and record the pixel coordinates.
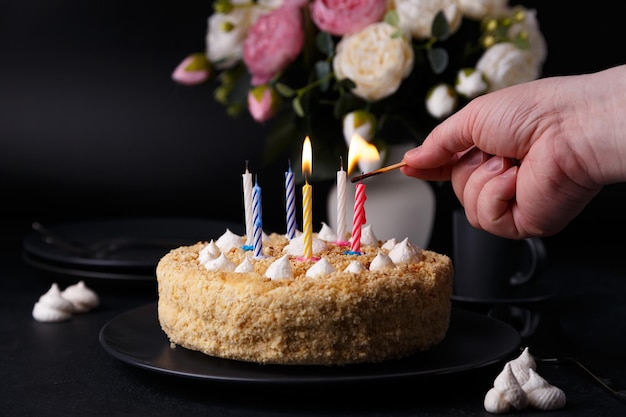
(62, 369)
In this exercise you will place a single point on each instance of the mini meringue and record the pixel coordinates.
(82, 298)
(296, 246)
(320, 268)
(368, 238)
(229, 240)
(355, 267)
(541, 394)
(209, 252)
(381, 261)
(326, 233)
(245, 266)
(405, 253)
(221, 263)
(52, 307)
(508, 391)
(280, 269)
(522, 364)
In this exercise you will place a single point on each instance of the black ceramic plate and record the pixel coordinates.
(146, 241)
(473, 341)
(529, 293)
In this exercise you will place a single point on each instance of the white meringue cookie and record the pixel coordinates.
(280, 269)
(221, 263)
(355, 267)
(52, 307)
(230, 240)
(495, 402)
(245, 266)
(326, 233)
(381, 262)
(368, 238)
(522, 364)
(389, 244)
(209, 252)
(510, 388)
(320, 268)
(541, 394)
(405, 253)
(82, 297)
(296, 246)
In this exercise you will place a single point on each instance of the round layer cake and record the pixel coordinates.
(386, 301)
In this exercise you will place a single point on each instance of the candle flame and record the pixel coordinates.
(307, 157)
(360, 150)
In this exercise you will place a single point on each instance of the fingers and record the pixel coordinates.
(486, 186)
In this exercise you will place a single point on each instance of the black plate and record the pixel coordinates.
(473, 341)
(163, 234)
(529, 293)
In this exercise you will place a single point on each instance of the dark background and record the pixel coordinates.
(91, 124)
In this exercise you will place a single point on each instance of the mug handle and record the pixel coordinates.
(537, 250)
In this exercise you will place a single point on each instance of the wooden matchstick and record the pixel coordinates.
(378, 171)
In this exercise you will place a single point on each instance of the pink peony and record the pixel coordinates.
(273, 42)
(263, 102)
(339, 17)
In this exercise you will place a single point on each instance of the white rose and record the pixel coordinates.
(224, 48)
(374, 60)
(504, 64)
(441, 101)
(477, 9)
(416, 16)
(536, 41)
(470, 83)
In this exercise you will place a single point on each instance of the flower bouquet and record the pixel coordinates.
(386, 69)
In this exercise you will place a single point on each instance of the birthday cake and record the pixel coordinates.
(387, 301)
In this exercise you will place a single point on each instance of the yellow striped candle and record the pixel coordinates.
(307, 203)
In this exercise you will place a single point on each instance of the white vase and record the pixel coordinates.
(396, 206)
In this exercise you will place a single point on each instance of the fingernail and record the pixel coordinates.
(413, 152)
(495, 163)
(475, 157)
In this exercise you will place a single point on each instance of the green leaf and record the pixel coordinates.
(440, 28)
(392, 18)
(322, 69)
(346, 83)
(297, 106)
(284, 90)
(345, 104)
(438, 58)
(325, 44)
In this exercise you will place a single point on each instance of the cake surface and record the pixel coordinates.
(335, 317)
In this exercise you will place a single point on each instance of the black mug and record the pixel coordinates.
(489, 267)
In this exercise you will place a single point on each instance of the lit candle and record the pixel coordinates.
(359, 217)
(247, 205)
(359, 150)
(341, 204)
(290, 194)
(258, 224)
(307, 212)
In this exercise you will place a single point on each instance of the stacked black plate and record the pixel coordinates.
(115, 249)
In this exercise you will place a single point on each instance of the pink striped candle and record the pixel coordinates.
(359, 217)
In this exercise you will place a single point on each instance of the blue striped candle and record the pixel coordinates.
(290, 194)
(258, 224)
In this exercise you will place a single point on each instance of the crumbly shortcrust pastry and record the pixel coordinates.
(338, 318)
